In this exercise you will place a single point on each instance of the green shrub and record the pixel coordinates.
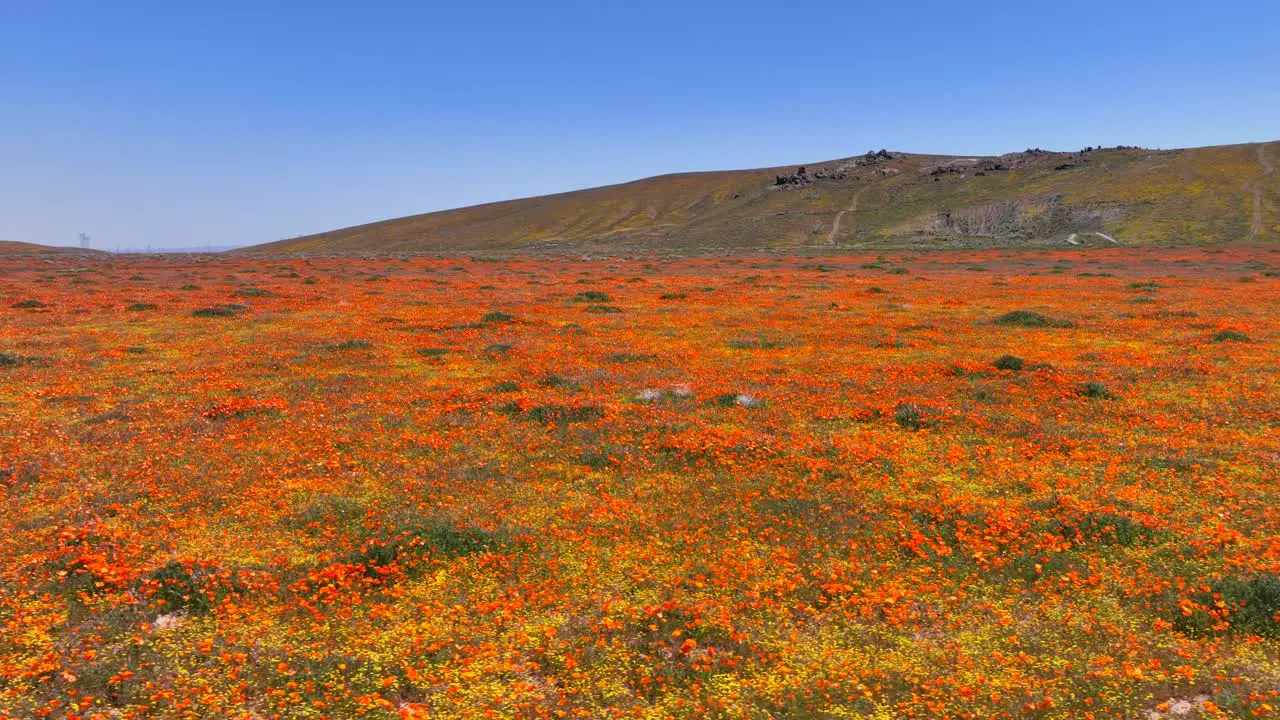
(29, 305)
(217, 311)
(1230, 336)
(625, 357)
(432, 352)
(756, 343)
(602, 309)
(1103, 528)
(497, 316)
(194, 589)
(140, 307)
(1249, 606)
(253, 292)
(552, 414)
(591, 296)
(1096, 391)
(1009, 362)
(409, 547)
(353, 345)
(9, 359)
(672, 296)
(725, 399)
(909, 416)
(1031, 319)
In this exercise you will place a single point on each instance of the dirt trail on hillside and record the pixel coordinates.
(1267, 170)
(853, 208)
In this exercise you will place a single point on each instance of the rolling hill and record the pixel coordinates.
(1118, 195)
(13, 247)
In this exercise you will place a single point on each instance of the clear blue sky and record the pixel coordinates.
(229, 122)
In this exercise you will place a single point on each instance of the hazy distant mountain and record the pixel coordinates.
(186, 249)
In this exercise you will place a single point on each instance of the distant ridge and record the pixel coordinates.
(12, 247)
(1121, 195)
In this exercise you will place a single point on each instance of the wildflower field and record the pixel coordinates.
(992, 484)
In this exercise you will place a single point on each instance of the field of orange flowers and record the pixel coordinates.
(986, 485)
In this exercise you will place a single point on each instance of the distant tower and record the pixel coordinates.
(84, 241)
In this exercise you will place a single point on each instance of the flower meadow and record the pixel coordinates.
(996, 484)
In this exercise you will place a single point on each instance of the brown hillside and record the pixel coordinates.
(12, 247)
(1095, 196)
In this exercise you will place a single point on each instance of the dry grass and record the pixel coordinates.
(1199, 196)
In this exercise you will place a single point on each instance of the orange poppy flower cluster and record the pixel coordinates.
(996, 484)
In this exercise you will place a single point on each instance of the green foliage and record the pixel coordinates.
(1103, 528)
(594, 296)
(253, 292)
(553, 414)
(909, 416)
(1009, 362)
(29, 305)
(1249, 605)
(140, 307)
(1031, 567)
(1031, 319)
(1096, 391)
(409, 547)
(216, 311)
(626, 357)
(497, 316)
(602, 309)
(759, 342)
(725, 399)
(1230, 336)
(353, 345)
(193, 589)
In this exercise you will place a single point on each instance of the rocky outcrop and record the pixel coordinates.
(802, 177)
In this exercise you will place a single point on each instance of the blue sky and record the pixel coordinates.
(189, 123)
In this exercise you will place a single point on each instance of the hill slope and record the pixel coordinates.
(12, 247)
(1123, 195)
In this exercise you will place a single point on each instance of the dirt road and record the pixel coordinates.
(853, 208)
(1267, 170)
